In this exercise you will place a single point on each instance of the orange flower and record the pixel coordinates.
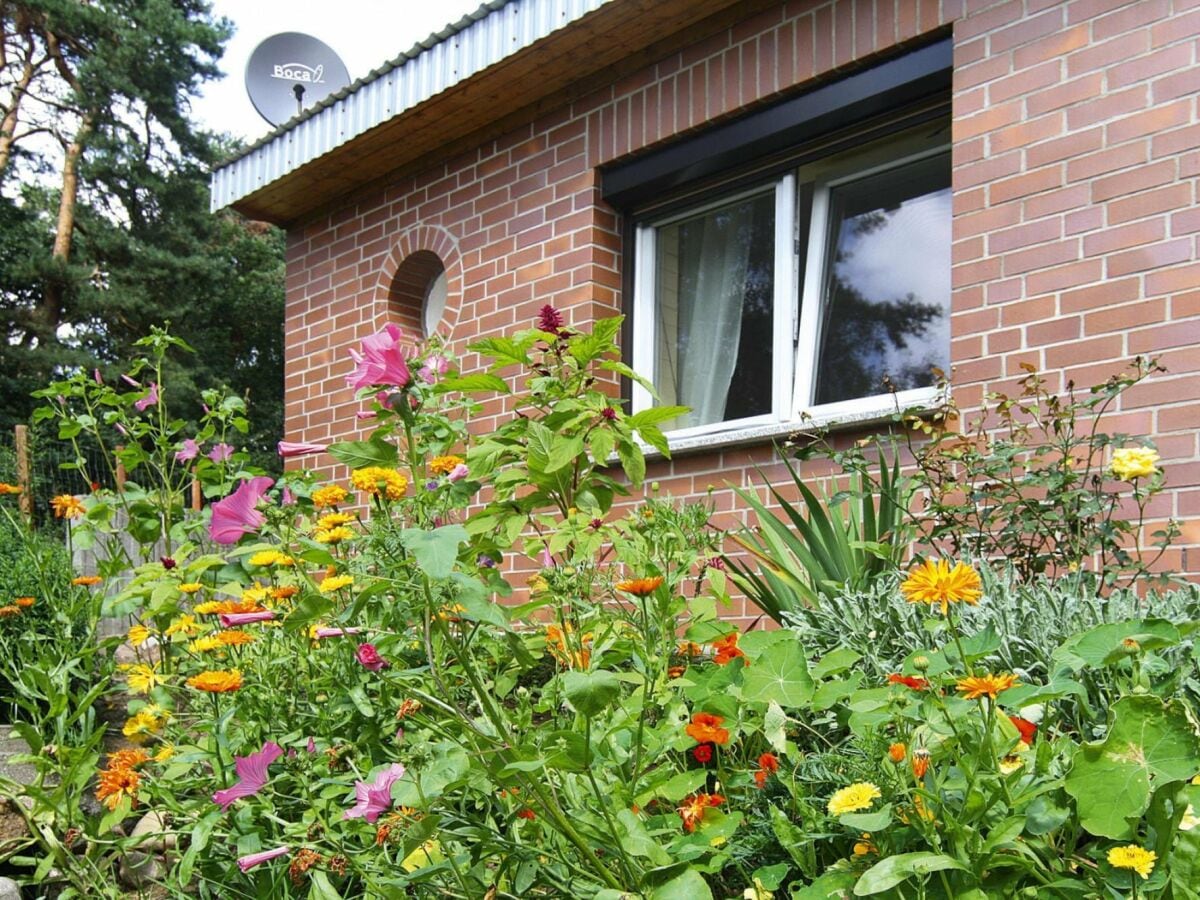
(914, 682)
(769, 762)
(937, 583)
(920, 762)
(24, 602)
(234, 637)
(977, 686)
(113, 784)
(640, 587)
(407, 708)
(1027, 729)
(706, 727)
(760, 778)
(7, 611)
(6, 488)
(67, 506)
(727, 649)
(897, 752)
(283, 591)
(676, 671)
(86, 580)
(444, 465)
(217, 681)
(692, 811)
(127, 759)
(527, 813)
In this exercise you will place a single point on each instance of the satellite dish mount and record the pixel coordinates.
(290, 72)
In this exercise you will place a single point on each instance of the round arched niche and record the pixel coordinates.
(417, 294)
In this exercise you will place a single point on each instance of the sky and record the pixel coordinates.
(364, 33)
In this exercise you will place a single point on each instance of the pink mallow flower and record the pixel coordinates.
(149, 400)
(288, 449)
(459, 472)
(338, 632)
(252, 775)
(246, 863)
(382, 361)
(232, 620)
(373, 798)
(220, 453)
(370, 658)
(190, 450)
(235, 515)
(434, 366)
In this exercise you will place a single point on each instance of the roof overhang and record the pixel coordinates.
(495, 70)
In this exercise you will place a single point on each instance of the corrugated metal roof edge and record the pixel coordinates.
(416, 50)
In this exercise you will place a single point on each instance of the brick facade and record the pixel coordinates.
(1076, 147)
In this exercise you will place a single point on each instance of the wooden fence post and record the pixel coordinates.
(24, 472)
(120, 469)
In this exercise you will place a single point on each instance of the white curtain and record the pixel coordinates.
(712, 286)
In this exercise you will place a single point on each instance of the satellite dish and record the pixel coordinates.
(291, 72)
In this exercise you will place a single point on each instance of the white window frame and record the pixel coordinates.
(797, 316)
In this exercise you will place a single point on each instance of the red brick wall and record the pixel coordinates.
(1075, 236)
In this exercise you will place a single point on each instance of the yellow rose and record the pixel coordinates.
(1129, 463)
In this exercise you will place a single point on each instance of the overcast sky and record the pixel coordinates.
(364, 33)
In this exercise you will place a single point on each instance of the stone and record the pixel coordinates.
(152, 833)
(140, 870)
(9, 890)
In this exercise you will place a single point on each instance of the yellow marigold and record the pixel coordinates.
(147, 722)
(9, 610)
(936, 582)
(217, 681)
(333, 535)
(1133, 857)
(67, 506)
(205, 644)
(853, 798)
(233, 637)
(138, 635)
(329, 495)
(381, 482)
(444, 465)
(975, 686)
(6, 488)
(271, 558)
(140, 677)
(1129, 463)
(333, 520)
(335, 583)
(185, 624)
(640, 587)
(24, 602)
(190, 587)
(86, 580)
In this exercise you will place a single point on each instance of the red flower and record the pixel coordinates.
(703, 753)
(909, 681)
(727, 649)
(760, 778)
(769, 762)
(1028, 729)
(550, 320)
(527, 813)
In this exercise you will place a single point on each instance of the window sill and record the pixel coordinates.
(827, 419)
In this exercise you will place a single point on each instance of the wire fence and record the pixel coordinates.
(45, 467)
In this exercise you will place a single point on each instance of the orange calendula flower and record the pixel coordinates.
(936, 582)
(444, 465)
(692, 810)
(67, 506)
(706, 728)
(920, 762)
(897, 752)
(6, 488)
(283, 591)
(676, 671)
(217, 681)
(726, 649)
(233, 637)
(640, 587)
(975, 686)
(113, 784)
(24, 602)
(86, 580)
(9, 610)
(329, 495)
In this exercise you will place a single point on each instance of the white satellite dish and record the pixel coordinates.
(291, 72)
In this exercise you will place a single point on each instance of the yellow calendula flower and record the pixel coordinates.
(208, 607)
(1129, 463)
(937, 582)
(853, 798)
(147, 722)
(335, 583)
(266, 558)
(190, 587)
(329, 495)
(185, 624)
(380, 482)
(976, 686)
(140, 677)
(256, 594)
(444, 465)
(333, 535)
(205, 644)
(137, 635)
(165, 752)
(1133, 857)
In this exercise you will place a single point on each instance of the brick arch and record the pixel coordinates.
(415, 259)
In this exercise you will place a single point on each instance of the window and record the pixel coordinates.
(820, 292)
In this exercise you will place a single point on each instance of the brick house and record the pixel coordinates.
(805, 194)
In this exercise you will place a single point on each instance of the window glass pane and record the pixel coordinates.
(886, 296)
(714, 302)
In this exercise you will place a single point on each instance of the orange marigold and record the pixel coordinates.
(640, 587)
(217, 681)
(897, 752)
(706, 727)
(937, 583)
(67, 506)
(86, 580)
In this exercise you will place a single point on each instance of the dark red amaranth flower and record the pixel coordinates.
(167, 562)
(609, 413)
(550, 320)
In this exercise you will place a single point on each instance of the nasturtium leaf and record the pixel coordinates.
(436, 550)
(359, 454)
(771, 877)
(830, 886)
(872, 821)
(591, 692)
(1104, 644)
(835, 661)
(779, 673)
(688, 885)
(888, 873)
(774, 727)
(637, 841)
(1148, 744)
(1044, 814)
